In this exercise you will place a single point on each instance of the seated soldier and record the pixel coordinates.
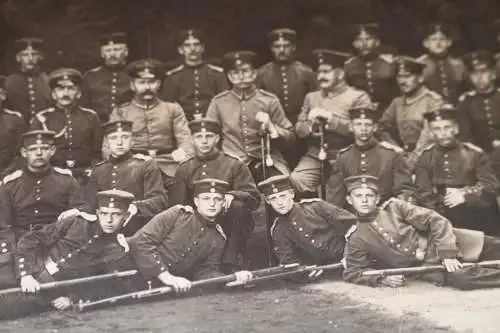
(309, 232)
(240, 201)
(135, 173)
(181, 244)
(456, 178)
(77, 246)
(400, 234)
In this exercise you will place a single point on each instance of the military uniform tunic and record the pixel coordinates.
(105, 88)
(12, 126)
(193, 87)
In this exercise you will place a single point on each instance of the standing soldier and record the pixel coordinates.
(328, 107)
(403, 123)
(28, 90)
(289, 79)
(368, 156)
(159, 128)
(370, 70)
(107, 86)
(134, 173)
(245, 113)
(443, 73)
(194, 83)
(78, 130)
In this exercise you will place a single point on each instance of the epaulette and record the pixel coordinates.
(185, 208)
(224, 93)
(456, 61)
(216, 68)
(88, 110)
(382, 206)
(387, 57)
(232, 156)
(267, 93)
(87, 216)
(93, 70)
(473, 147)
(42, 112)
(466, 94)
(434, 94)
(142, 157)
(303, 66)
(343, 150)
(423, 57)
(426, 148)
(273, 226)
(124, 104)
(348, 61)
(13, 113)
(100, 163)
(12, 176)
(62, 171)
(310, 200)
(391, 146)
(175, 70)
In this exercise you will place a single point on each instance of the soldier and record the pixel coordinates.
(400, 234)
(243, 197)
(370, 70)
(246, 113)
(159, 129)
(403, 123)
(12, 126)
(107, 86)
(77, 246)
(180, 244)
(369, 156)
(477, 109)
(443, 73)
(134, 173)
(78, 130)
(456, 178)
(35, 195)
(194, 83)
(330, 106)
(28, 90)
(309, 232)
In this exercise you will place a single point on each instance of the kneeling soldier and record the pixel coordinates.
(181, 243)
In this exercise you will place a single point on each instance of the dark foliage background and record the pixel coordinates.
(71, 27)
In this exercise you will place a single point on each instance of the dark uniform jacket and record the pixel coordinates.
(395, 233)
(311, 233)
(380, 159)
(179, 241)
(290, 82)
(194, 87)
(28, 93)
(218, 165)
(376, 75)
(78, 135)
(446, 76)
(105, 88)
(137, 174)
(75, 246)
(12, 126)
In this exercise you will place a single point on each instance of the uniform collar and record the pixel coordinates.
(117, 68)
(203, 220)
(36, 175)
(422, 91)
(210, 156)
(436, 57)
(73, 108)
(116, 160)
(487, 94)
(369, 145)
(337, 90)
(245, 95)
(146, 106)
(197, 66)
(368, 218)
(370, 57)
(451, 147)
(286, 63)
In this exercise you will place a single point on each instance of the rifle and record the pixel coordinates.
(426, 269)
(153, 292)
(267, 161)
(72, 282)
(322, 158)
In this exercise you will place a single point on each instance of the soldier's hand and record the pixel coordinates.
(179, 283)
(496, 143)
(29, 284)
(303, 129)
(242, 277)
(179, 155)
(263, 118)
(228, 199)
(394, 281)
(452, 265)
(319, 114)
(62, 303)
(453, 197)
(68, 213)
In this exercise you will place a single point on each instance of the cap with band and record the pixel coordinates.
(113, 38)
(329, 57)
(204, 125)
(479, 60)
(361, 181)
(29, 44)
(370, 29)
(409, 66)
(117, 126)
(282, 34)
(65, 74)
(275, 184)
(38, 137)
(190, 34)
(445, 112)
(364, 112)
(146, 69)
(210, 185)
(115, 199)
(233, 60)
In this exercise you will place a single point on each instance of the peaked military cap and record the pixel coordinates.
(480, 59)
(282, 34)
(186, 34)
(361, 181)
(330, 57)
(232, 60)
(439, 28)
(29, 43)
(115, 199)
(371, 29)
(146, 69)
(65, 74)
(117, 126)
(409, 65)
(204, 125)
(210, 185)
(113, 38)
(364, 112)
(38, 137)
(275, 184)
(446, 111)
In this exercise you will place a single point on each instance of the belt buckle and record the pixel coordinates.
(70, 163)
(152, 152)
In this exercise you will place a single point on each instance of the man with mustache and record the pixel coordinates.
(456, 178)
(78, 130)
(28, 90)
(443, 73)
(107, 86)
(159, 128)
(34, 196)
(403, 123)
(245, 113)
(328, 106)
(134, 173)
(194, 83)
(370, 70)
(243, 197)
